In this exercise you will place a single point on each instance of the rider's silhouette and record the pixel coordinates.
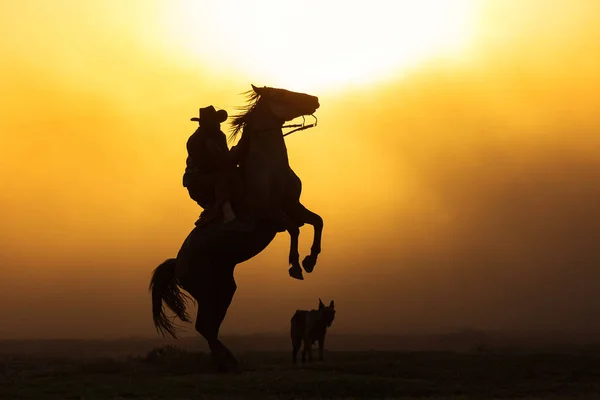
(211, 176)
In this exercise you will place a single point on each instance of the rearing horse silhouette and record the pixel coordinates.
(205, 263)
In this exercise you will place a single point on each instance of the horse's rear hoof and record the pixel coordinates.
(224, 369)
(229, 367)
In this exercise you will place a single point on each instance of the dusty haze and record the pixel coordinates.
(461, 194)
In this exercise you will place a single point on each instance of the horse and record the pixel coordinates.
(205, 264)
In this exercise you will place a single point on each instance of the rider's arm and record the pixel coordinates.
(239, 151)
(216, 157)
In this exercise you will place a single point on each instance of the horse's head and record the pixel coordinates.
(269, 108)
(285, 104)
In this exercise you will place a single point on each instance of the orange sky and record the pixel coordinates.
(459, 186)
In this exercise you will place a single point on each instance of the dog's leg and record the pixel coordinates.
(296, 344)
(306, 349)
(321, 345)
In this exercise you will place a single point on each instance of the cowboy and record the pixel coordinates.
(211, 176)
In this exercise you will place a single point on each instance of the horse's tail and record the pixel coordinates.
(164, 287)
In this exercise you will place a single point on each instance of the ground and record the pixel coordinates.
(177, 373)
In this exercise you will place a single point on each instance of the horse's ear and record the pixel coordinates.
(321, 305)
(331, 304)
(261, 91)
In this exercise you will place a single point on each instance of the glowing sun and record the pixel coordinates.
(317, 44)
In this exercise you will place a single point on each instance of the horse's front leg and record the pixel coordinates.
(316, 221)
(294, 257)
(304, 215)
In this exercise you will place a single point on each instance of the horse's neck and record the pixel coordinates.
(267, 144)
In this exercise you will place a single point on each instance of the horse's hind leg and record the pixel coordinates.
(214, 294)
(227, 288)
(224, 298)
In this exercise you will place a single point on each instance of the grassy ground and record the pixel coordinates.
(180, 374)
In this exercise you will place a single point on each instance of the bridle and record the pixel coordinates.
(300, 127)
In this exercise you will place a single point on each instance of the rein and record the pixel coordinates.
(300, 127)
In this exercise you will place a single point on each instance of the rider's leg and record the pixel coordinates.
(198, 193)
(223, 195)
(228, 213)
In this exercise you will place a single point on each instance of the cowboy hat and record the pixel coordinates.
(210, 114)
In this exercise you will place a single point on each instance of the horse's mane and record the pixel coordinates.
(240, 120)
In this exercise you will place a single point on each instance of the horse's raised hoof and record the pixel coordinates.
(309, 263)
(296, 272)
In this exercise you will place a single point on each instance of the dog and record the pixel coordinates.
(308, 327)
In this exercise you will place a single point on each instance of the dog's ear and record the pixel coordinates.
(321, 305)
(331, 304)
